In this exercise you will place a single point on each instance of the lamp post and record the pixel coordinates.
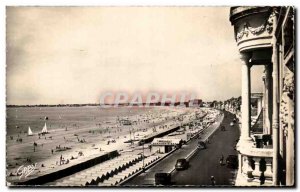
(132, 130)
(143, 142)
(130, 136)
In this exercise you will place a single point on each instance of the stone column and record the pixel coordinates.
(275, 115)
(268, 104)
(246, 95)
(290, 147)
(265, 130)
(281, 96)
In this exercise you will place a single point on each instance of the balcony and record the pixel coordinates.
(255, 164)
(253, 27)
(256, 157)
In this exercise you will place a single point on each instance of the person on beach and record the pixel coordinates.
(60, 160)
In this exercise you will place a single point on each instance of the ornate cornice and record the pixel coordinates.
(267, 26)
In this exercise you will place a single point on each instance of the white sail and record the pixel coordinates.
(29, 132)
(45, 130)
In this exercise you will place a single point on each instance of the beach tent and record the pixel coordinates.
(45, 130)
(29, 132)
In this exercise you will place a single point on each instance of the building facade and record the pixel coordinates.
(266, 36)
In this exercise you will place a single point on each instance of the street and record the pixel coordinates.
(187, 177)
(205, 163)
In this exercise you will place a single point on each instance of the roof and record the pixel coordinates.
(166, 141)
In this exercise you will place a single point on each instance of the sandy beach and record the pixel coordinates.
(75, 133)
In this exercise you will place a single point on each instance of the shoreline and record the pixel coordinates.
(92, 146)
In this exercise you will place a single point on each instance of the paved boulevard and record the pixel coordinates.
(203, 164)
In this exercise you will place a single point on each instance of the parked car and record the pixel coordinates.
(181, 164)
(223, 128)
(201, 145)
(232, 161)
(162, 179)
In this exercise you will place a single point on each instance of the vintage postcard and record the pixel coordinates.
(150, 96)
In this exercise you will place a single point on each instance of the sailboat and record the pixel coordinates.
(29, 132)
(45, 130)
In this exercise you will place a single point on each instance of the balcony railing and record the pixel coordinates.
(256, 158)
(257, 169)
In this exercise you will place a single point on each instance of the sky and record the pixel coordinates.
(61, 55)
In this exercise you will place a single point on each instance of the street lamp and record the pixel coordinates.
(143, 142)
(130, 135)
